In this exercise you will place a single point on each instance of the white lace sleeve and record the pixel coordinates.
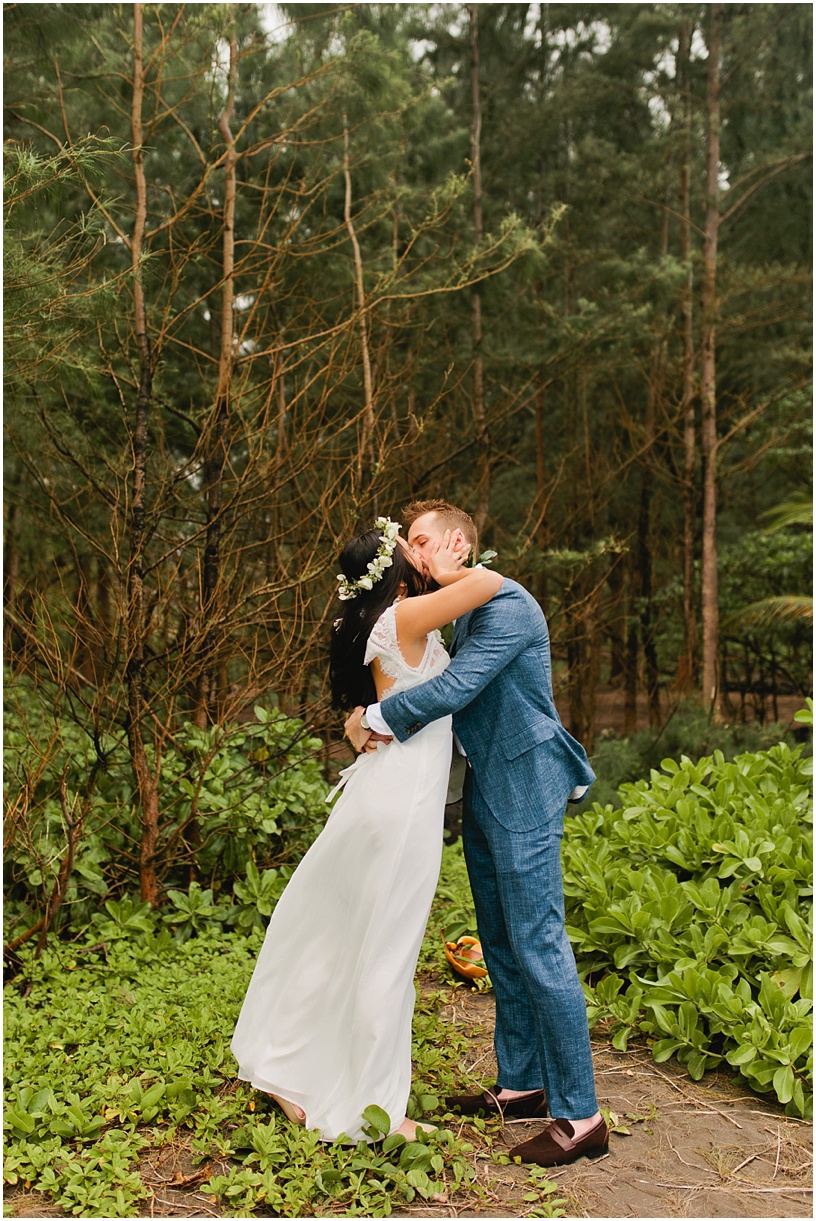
(383, 644)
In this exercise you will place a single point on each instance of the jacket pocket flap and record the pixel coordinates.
(528, 737)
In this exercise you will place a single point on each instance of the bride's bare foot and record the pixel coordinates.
(295, 1114)
(408, 1128)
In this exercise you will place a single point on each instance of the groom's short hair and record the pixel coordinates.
(451, 517)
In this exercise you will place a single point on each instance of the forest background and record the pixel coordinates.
(271, 271)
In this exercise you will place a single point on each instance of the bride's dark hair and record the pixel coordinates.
(351, 681)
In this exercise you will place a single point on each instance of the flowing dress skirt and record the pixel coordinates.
(326, 1021)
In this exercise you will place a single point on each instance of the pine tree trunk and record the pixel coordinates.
(615, 620)
(644, 560)
(593, 672)
(365, 461)
(654, 395)
(541, 476)
(687, 670)
(631, 652)
(217, 439)
(135, 626)
(479, 422)
(710, 611)
(578, 669)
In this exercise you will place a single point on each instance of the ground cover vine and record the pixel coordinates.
(122, 1048)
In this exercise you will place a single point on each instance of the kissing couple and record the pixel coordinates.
(325, 1026)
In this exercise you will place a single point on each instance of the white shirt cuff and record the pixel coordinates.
(377, 721)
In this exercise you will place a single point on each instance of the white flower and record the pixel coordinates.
(375, 569)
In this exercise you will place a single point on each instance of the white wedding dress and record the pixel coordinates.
(326, 1021)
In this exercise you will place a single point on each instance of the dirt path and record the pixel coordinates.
(696, 1149)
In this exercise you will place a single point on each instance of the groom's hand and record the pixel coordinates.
(354, 730)
(361, 739)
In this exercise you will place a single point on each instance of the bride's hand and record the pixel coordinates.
(447, 557)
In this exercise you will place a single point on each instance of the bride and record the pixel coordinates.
(325, 1026)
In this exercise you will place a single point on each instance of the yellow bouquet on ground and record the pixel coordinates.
(465, 956)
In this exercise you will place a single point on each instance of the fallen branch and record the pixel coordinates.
(745, 1163)
(738, 1191)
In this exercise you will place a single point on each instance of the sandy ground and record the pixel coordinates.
(695, 1149)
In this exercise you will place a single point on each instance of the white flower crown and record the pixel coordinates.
(376, 568)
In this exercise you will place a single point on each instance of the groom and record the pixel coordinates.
(523, 768)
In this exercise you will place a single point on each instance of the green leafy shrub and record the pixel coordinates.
(194, 911)
(233, 798)
(257, 895)
(689, 916)
(689, 731)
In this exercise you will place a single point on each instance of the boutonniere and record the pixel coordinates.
(485, 559)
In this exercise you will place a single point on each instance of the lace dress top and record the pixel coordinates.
(384, 645)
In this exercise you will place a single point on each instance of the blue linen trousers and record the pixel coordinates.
(541, 1036)
(522, 767)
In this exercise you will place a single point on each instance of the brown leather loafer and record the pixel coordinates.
(531, 1106)
(557, 1144)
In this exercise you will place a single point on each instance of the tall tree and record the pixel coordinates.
(482, 442)
(135, 643)
(708, 381)
(688, 668)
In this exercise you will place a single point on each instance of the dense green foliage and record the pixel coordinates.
(689, 731)
(689, 912)
(112, 1053)
(235, 797)
(687, 909)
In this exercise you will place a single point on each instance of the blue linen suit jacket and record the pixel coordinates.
(499, 688)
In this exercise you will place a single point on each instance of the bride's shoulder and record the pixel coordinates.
(386, 621)
(383, 635)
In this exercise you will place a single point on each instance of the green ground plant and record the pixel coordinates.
(114, 1050)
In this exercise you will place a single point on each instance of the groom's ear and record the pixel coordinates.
(459, 537)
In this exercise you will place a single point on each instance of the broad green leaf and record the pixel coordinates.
(783, 1083)
(377, 1119)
